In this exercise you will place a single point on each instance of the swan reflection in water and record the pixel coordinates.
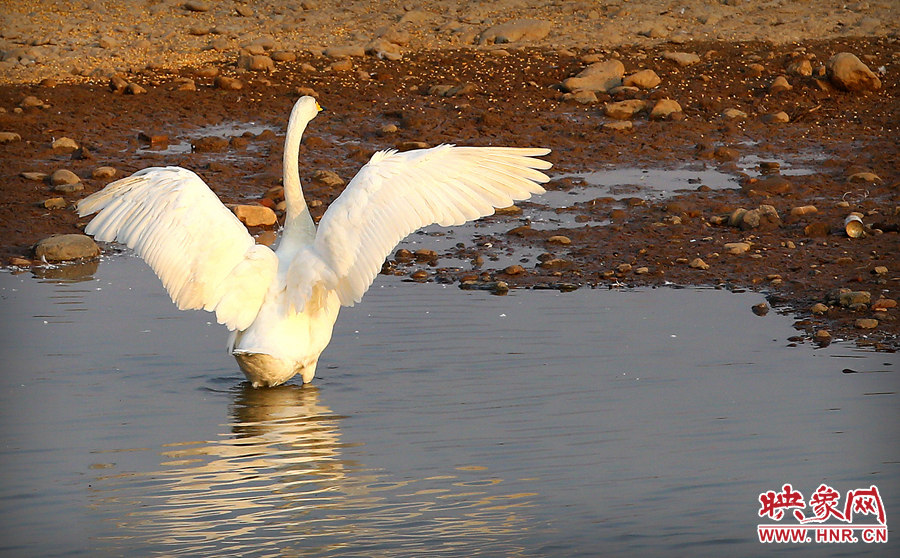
(277, 483)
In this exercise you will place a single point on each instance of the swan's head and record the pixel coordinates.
(305, 109)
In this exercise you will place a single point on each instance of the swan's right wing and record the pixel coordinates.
(396, 193)
(202, 253)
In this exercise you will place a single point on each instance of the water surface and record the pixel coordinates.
(443, 422)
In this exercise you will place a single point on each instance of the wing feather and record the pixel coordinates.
(201, 252)
(396, 193)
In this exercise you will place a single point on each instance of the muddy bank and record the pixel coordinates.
(837, 153)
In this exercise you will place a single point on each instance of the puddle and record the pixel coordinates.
(642, 422)
(225, 130)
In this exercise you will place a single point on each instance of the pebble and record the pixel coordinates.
(254, 215)
(196, 6)
(780, 117)
(256, 63)
(31, 102)
(623, 110)
(559, 239)
(698, 263)
(884, 304)
(818, 308)
(419, 275)
(515, 31)
(134, 89)
(344, 65)
(583, 96)
(845, 71)
(760, 309)
(817, 229)
(623, 268)
(19, 262)
(63, 177)
(425, 255)
(69, 188)
(823, 336)
(327, 178)
(66, 247)
(514, 270)
(734, 113)
(600, 76)
(681, 58)
(799, 67)
(511, 210)
(55, 203)
(804, 210)
(344, 51)
(859, 177)
(771, 184)
(618, 126)
(645, 79)
(643, 270)
(665, 109)
(880, 270)
(64, 144)
(866, 323)
(283, 56)
(9, 137)
(736, 248)
(35, 176)
(209, 144)
(228, 83)
(850, 298)
(780, 84)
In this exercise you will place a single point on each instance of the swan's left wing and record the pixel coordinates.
(202, 253)
(396, 193)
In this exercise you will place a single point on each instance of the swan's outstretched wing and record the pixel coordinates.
(396, 193)
(202, 253)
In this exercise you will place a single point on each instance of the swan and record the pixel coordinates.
(281, 305)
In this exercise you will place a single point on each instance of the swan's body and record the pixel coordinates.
(281, 306)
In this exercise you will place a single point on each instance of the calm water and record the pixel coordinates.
(444, 422)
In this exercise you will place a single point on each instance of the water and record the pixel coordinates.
(443, 422)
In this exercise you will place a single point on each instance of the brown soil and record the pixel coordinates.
(514, 100)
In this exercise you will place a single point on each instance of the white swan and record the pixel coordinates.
(281, 306)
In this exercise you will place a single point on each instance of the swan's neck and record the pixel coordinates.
(299, 228)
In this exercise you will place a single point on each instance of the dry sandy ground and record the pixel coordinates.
(438, 75)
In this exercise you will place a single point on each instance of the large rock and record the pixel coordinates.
(514, 31)
(254, 215)
(645, 79)
(601, 76)
(66, 247)
(847, 72)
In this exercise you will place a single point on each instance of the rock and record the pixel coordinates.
(134, 89)
(327, 178)
(256, 63)
(697, 263)
(665, 109)
(771, 184)
(283, 56)
(880, 270)
(780, 117)
(514, 270)
(343, 65)
(799, 67)
(510, 210)
(723, 153)
(623, 110)
(66, 247)
(884, 304)
(64, 144)
(866, 323)
(34, 176)
(209, 144)
(817, 229)
(804, 210)
(818, 308)
(845, 71)
(383, 49)
(32, 102)
(854, 297)
(228, 83)
(736, 248)
(243, 10)
(19, 262)
(860, 177)
(623, 268)
(69, 188)
(645, 79)
(254, 215)
(153, 138)
(618, 126)
(103, 173)
(419, 275)
(55, 203)
(583, 96)
(601, 76)
(515, 31)
(452, 90)
(196, 6)
(822, 336)
(681, 58)
(63, 177)
(733, 113)
(559, 239)
(344, 51)
(9, 137)
(760, 309)
(780, 84)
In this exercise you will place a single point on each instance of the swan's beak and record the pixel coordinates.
(319, 107)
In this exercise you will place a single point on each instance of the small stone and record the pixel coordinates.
(780, 117)
(804, 210)
(642, 270)
(780, 84)
(799, 67)
(32, 102)
(623, 110)
(69, 188)
(327, 178)
(864, 177)
(66, 247)
(846, 71)
(818, 308)
(733, 113)
(9, 137)
(514, 270)
(19, 262)
(62, 177)
(344, 51)
(283, 56)
(55, 203)
(737, 248)
(760, 309)
(228, 83)
(665, 109)
(419, 275)
(153, 138)
(880, 270)
(344, 65)
(884, 304)
(209, 144)
(697, 263)
(623, 268)
(817, 229)
(425, 255)
(600, 76)
(854, 297)
(681, 58)
(134, 89)
(583, 96)
(254, 215)
(822, 336)
(866, 323)
(515, 31)
(645, 79)
(559, 239)
(403, 255)
(511, 210)
(64, 144)
(243, 10)
(770, 184)
(618, 126)
(35, 176)
(256, 63)
(388, 129)
(723, 153)
(196, 6)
